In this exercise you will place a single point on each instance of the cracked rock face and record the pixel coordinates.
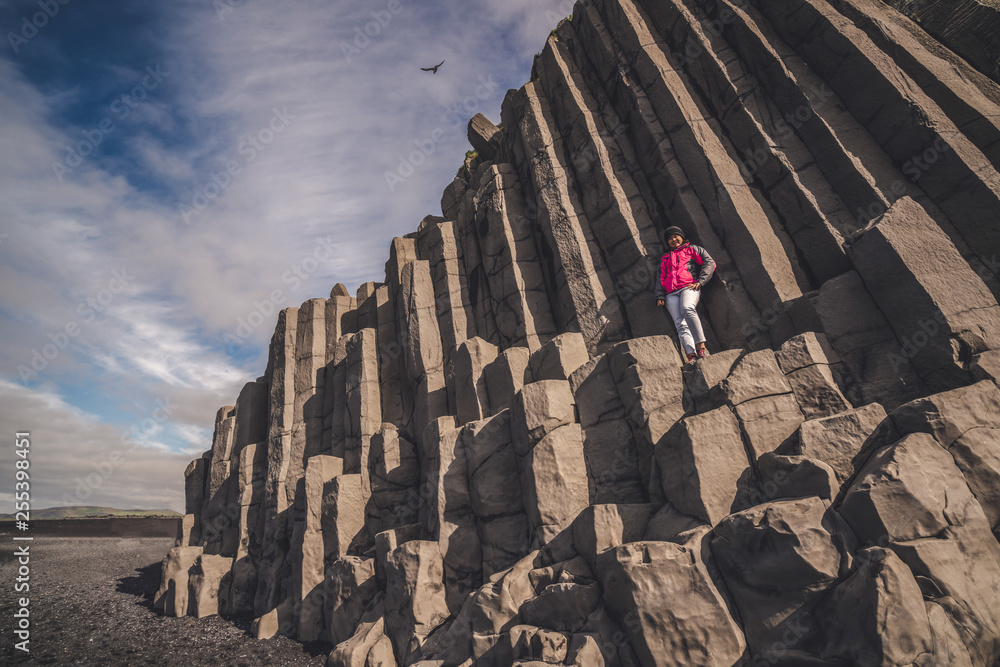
(497, 456)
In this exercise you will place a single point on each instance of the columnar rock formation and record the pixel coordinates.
(497, 457)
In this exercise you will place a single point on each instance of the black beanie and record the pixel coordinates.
(670, 231)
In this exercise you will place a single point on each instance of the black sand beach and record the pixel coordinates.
(91, 604)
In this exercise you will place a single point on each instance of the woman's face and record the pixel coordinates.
(674, 241)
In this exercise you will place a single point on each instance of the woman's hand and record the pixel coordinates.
(696, 287)
(660, 302)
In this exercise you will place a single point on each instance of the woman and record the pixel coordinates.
(680, 290)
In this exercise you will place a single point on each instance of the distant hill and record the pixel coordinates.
(83, 512)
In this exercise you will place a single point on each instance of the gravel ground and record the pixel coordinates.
(91, 604)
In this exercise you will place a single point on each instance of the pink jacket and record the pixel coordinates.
(678, 268)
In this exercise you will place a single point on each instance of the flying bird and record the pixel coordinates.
(432, 70)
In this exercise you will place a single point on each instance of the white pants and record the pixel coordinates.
(682, 306)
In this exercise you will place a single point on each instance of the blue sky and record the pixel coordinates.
(172, 170)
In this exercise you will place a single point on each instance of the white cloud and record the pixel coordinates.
(321, 176)
(148, 343)
(76, 460)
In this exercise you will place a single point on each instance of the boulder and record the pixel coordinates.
(558, 358)
(172, 597)
(608, 437)
(387, 541)
(208, 585)
(837, 440)
(443, 473)
(817, 391)
(977, 454)
(769, 421)
(700, 461)
(795, 477)
(651, 388)
(380, 654)
(702, 378)
(949, 414)
(986, 366)
(778, 559)
(562, 606)
(320, 471)
(451, 198)
(540, 407)
(533, 643)
(222, 439)
(754, 375)
(462, 551)
(669, 525)
(948, 646)
(575, 571)
(876, 616)
(187, 531)
(484, 137)
(482, 439)
(806, 349)
(911, 497)
(489, 611)
(668, 606)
